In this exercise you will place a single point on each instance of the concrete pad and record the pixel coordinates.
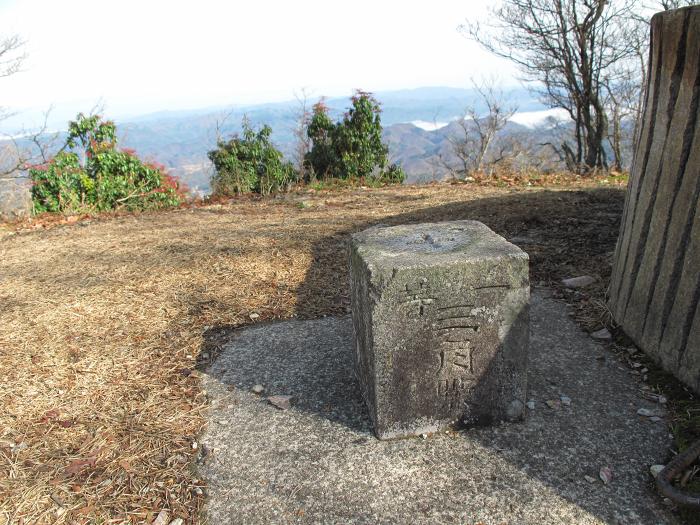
(318, 461)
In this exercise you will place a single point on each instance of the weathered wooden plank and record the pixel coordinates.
(690, 362)
(655, 286)
(677, 338)
(639, 163)
(675, 201)
(679, 267)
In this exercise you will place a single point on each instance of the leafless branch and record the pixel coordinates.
(478, 130)
(302, 145)
(24, 150)
(570, 49)
(11, 57)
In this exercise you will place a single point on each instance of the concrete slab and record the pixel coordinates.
(318, 462)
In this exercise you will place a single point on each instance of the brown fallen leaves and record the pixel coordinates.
(102, 324)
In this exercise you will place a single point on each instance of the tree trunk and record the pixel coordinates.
(615, 137)
(654, 293)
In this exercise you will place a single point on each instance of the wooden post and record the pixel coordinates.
(655, 288)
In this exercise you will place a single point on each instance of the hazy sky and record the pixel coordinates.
(150, 55)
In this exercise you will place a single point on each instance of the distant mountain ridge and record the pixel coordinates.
(180, 139)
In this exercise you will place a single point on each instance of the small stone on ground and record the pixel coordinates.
(602, 334)
(656, 469)
(281, 402)
(647, 412)
(605, 474)
(163, 518)
(578, 282)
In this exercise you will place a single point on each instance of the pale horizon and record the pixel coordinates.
(138, 58)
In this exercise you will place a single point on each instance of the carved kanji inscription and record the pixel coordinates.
(430, 339)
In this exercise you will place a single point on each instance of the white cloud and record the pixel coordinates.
(532, 119)
(429, 126)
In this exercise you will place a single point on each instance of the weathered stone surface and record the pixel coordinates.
(655, 290)
(440, 315)
(15, 199)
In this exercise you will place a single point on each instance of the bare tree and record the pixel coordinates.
(11, 55)
(489, 124)
(675, 4)
(436, 165)
(11, 59)
(303, 143)
(623, 91)
(22, 149)
(568, 47)
(460, 149)
(625, 82)
(473, 144)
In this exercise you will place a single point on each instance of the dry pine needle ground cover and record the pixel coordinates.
(105, 324)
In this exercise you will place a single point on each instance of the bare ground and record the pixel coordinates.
(104, 322)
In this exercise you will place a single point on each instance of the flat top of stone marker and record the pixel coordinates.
(434, 242)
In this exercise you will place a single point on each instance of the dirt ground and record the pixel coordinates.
(105, 322)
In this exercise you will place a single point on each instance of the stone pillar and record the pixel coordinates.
(655, 288)
(440, 318)
(15, 199)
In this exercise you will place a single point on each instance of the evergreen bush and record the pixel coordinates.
(249, 162)
(90, 174)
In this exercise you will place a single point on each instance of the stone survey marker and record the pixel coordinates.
(440, 318)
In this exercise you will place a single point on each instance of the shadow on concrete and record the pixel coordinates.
(305, 359)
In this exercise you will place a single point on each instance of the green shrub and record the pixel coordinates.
(322, 157)
(107, 179)
(250, 163)
(351, 148)
(394, 174)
